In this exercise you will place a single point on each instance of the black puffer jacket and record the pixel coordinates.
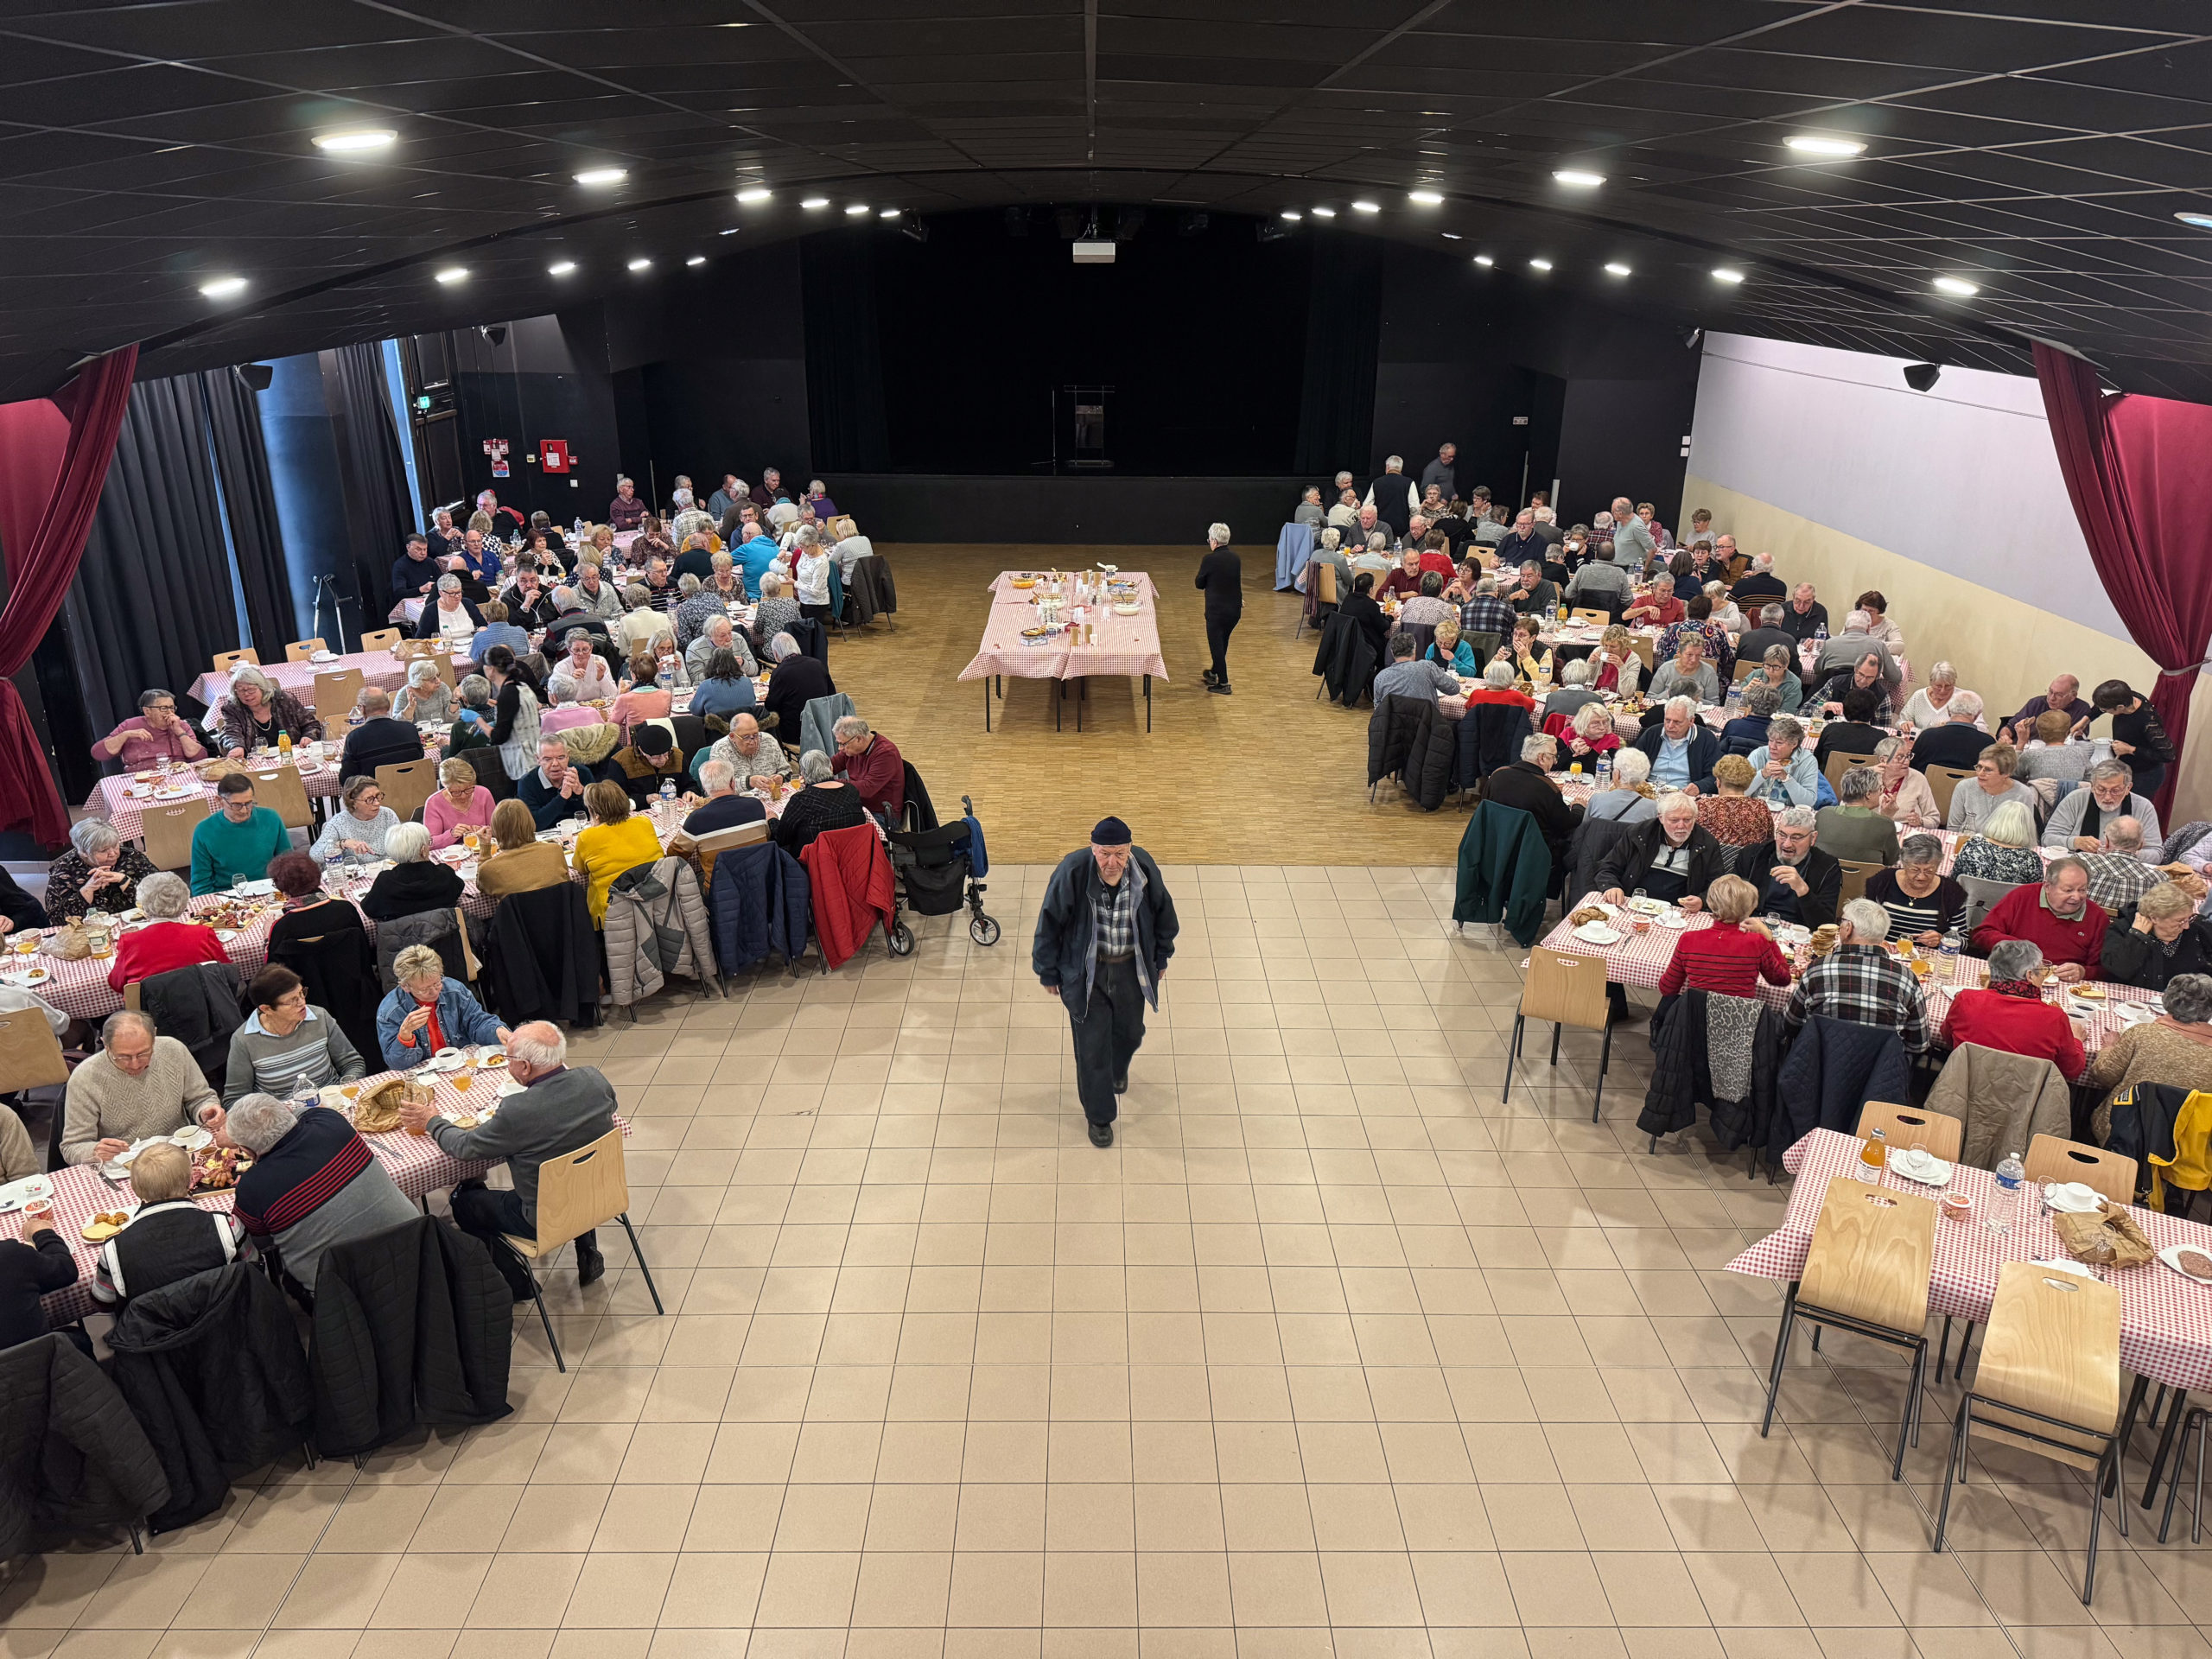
(214, 1373)
(412, 1325)
(72, 1457)
(1409, 739)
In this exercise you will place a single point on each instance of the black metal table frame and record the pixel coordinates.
(1082, 683)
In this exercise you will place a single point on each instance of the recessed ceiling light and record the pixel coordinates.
(697, 260)
(1484, 261)
(1293, 214)
(453, 274)
(338, 143)
(855, 210)
(1540, 264)
(1450, 235)
(753, 195)
(602, 176)
(641, 265)
(566, 267)
(223, 287)
(1579, 179)
(733, 229)
(1424, 198)
(1325, 212)
(2202, 222)
(889, 212)
(1616, 268)
(1957, 287)
(1809, 144)
(1726, 274)
(1367, 207)
(813, 202)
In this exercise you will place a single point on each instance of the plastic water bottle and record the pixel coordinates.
(1949, 949)
(668, 795)
(1604, 773)
(302, 1095)
(1735, 700)
(2012, 1190)
(1820, 634)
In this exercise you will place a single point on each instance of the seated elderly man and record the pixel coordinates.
(722, 807)
(1856, 733)
(1406, 678)
(155, 735)
(425, 1012)
(1671, 856)
(594, 595)
(2077, 822)
(1990, 787)
(1854, 828)
(754, 758)
(1956, 739)
(1682, 749)
(1528, 785)
(2118, 874)
(378, 740)
(1768, 633)
(798, 679)
(1686, 673)
(553, 788)
(140, 1084)
(1796, 879)
(313, 1185)
(1429, 605)
(703, 601)
(562, 1107)
(871, 763)
(2059, 918)
(2011, 1015)
(1857, 641)
(1600, 585)
(719, 634)
(2063, 695)
(237, 842)
(1758, 580)
(1860, 982)
(571, 614)
(1865, 674)
(1574, 694)
(100, 872)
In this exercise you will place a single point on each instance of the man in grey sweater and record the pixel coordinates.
(561, 1109)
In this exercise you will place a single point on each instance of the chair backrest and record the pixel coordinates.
(283, 793)
(227, 660)
(2052, 1159)
(1325, 582)
(1942, 782)
(1603, 619)
(380, 638)
(1906, 1126)
(580, 1189)
(1840, 761)
(335, 692)
(300, 650)
(1855, 877)
(742, 835)
(408, 784)
(30, 1054)
(168, 831)
(491, 772)
(1983, 895)
(2052, 1346)
(1872, 1251)
(1567, 989)
(1642, 644)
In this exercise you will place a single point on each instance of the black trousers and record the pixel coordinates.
(1218, 628)
(482, 1212)
(1107, 1035)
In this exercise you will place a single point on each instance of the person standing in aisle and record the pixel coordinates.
(1221, 577)
(1105, 935)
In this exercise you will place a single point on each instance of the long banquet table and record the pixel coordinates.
(379, 668)
(1119, 646)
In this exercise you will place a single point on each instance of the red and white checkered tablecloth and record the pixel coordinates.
(378, 668)
(122, 801)
(416, 1165)
(2165, 1320)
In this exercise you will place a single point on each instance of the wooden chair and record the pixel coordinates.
(381, 639)
(1747, 666)
(407, 784)
(2051, 1159)
(1603, 619)
(227, 660)
(167, 832)
(301, 649)
(30, 1054)
(1867, 1273)
(1567, 990)
(1842, 760)
(707, 848)
(1942, 781)
(1855, 877)
(578, 1192)
(1906, 1126)
(335, 693)
(1642, 644)
(283, 794)
(1324, 596)
(2048, 1382)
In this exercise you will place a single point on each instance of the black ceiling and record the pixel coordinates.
(147, 148)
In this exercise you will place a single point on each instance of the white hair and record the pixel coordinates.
(1576, 673)
(849, 727)
(93, 837)
(404, 843)
(421, 672)
(1498, 674)
(1538, 748)
(449, 583)
(681, 497)
(1393, 461)
(1857, 622)
(717, 776)
(1941, 672)
(1797, 817)
(540, 1054)
(1868, 920)
(1631, 767)
(258, 1122)
(163, 895)
(814, 767)
(1762, 562)
(247, 673)
(1545, 516)
(1217, 535)
(1674, 803)
(1965, 705)
(1684, 705)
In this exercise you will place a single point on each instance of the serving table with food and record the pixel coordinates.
(1070, 626)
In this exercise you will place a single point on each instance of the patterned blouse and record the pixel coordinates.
(1736, 820)
(66, 878)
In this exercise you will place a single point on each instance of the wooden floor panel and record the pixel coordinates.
(1266, 775)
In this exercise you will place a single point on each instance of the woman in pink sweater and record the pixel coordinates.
(462, 802)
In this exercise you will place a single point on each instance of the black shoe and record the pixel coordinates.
(591, 1266)
(1122, 1083)
(1102, 1135)
(1207, 675)
(1220, 686)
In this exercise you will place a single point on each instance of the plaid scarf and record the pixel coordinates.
(2021, 988)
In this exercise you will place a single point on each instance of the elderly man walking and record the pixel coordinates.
(1105, 935)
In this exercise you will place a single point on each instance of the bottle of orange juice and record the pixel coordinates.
(284, 748)
(1873, 1153)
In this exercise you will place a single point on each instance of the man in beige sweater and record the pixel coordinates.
(139, 1084)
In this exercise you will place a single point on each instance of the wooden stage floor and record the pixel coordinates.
(1266, 775)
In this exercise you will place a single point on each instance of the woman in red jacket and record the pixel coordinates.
(2011, 1015)
(167, 943)
(1728, 956)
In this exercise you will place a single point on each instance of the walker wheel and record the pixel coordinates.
(984, 931)
(901, 939)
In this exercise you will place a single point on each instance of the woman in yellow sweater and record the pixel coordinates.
(618, 840)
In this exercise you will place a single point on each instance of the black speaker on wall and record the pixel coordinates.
(257, 376)
(1921, 376)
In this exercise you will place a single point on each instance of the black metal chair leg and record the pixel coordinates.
(1908, 1430)
(2165, 1444)
(1942, 1349)
(1781, 1356)
(2096, 1519)
(1556, 1030)
(1604, 1059)
(1512, 1054)
(625, 1219)
(537, 1295)
(1954, 1469)
(137, 1539)
(1816, 1338)
(2180, 1458)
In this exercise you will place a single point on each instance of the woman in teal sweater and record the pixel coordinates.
(1453, 652)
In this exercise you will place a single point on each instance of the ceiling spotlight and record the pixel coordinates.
(755, 194)
(453, 274)
(1957, 287)
(813, 203)
(856, 210)
(1424, 198)
(566, 267)
(888, 212)
(1367, 207)
(1293, 214)
(697, 260)
(640, 264)
(1808, 144)
(1616, 268)
(1325, 212)
(1484, 261)
(1726, 274)
(223, 287)
(2201, 221)
(1450, 236)
(1540, 264)
(1921, 376)
(1579, 179)
(338, 143)
(732, 231)
(602, 176)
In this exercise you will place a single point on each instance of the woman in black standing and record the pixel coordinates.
(1221, 577)
(2138, 736)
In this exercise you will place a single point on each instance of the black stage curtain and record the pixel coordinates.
(379, 513)
(1344, 327)
(844, 357)
(152, 601)
(233, 416)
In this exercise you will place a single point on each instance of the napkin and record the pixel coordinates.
(2107, 1235)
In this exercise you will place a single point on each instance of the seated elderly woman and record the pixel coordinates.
(1931, 704)
(1429, 605)
(287, 1042)
(519, 861)
(1733, 818)
(2002, 848)
(777, 610)
(2053, 751)
(1923, 902)
(461, 804)
(1782, 771)
(1904, 798)
(1630, 799)
(1530, 662)
(1724, 613)
(425, 1012)
(1778, 671)
(823, 801)
(1852, 828)
(313, 1184)
(257, 712)
(1990, 787)
(471, 716)
(414, 883)
(425, 697)
(617, 839)
(1374, 557)
(1687, 673)
(648, 691)
(643, 621)
(309, 912)
(167, 942)
(1616, 666)
(1585, 735)
(451, 617)
(1572, 695)
(579, 675)
(1748, 731)
(2175, 1049)
(1728, 957)
(356, 832)
(498, 630)
(100, 872)
(2158, 936)
(726, 688)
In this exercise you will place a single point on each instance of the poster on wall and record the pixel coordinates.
(496, 448)
(555, 454)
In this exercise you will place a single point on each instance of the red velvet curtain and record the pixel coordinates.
(47, 493)
(2140, 470)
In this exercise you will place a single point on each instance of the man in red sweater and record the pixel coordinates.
(874, 767)
(2059, 918)
(2011, 1016)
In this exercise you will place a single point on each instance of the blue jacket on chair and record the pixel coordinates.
(759, 905)
(1834, 1068)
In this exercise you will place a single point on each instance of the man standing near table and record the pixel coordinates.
(1441, 474)
(1221, 579)
(154, 734)
(2059, 917)
(1633, 542)
(1105, 932)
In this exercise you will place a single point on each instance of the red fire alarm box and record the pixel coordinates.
(555, 453)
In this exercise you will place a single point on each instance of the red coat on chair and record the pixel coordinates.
(849, 875)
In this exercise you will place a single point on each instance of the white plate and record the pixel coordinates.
(35, 974)
(1648, 906)
(2067, 1264)
(226, 935)
(1934, 1173)
(32, 1189)
(260, 889)
(1596, 933)
(448, 1059)
(2165, 1255)
(193, 1138)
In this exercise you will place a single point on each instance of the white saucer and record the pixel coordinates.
(1934, 1173)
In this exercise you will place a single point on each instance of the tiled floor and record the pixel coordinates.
(1332, 1353)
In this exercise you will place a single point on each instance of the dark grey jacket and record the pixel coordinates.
(570, 1109)
(1065, 950)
